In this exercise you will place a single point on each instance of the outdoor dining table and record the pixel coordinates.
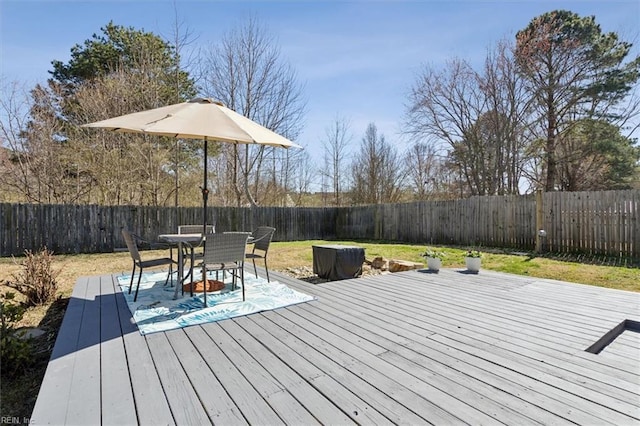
(181, 240)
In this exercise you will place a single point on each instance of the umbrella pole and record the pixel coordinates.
(205, 191)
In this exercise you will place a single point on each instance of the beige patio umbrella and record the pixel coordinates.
(196, 119)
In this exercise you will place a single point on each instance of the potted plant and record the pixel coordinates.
(473, 260)
(434, 259)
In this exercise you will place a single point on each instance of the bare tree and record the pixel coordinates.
(443, 109)
(125, 168)
(181, 38)
(336, 146)
(509, 111)
(39, 162)
(377, 174)
(425, 172)
(14, 166)
(245, 72)
(299, 179)
(477, 118)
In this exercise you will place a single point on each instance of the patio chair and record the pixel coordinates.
(225, 253)
(132, 245)
(261, 240)
(195, 229)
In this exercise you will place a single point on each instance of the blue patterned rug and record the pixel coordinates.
(155, 310)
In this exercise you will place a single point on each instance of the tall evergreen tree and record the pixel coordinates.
(595, 156)
(119, 48)
(573, 70)
(123, 70)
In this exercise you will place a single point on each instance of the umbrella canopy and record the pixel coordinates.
(196, 119)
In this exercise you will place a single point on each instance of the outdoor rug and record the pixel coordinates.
(155, 310)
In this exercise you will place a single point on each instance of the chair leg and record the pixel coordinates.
(254, 267)
(135, 297)
(168, 275)
(133, 273)
(189, 274)
(234, 280)
(266, 269)
(191, 268)
(242, 281)
(204, 282)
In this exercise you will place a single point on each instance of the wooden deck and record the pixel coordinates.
(410, 348)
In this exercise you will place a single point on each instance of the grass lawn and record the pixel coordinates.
(572, 269)
(18, 395)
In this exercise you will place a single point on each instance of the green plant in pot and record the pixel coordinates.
(473, 260)
(434, 259)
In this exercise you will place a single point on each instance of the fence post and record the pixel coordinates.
(539, 221)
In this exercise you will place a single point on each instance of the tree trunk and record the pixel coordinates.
(551, 146)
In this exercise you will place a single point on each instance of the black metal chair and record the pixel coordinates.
(132, 244)
(261, 240)
(225, 253)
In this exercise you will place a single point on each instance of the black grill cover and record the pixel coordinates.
(336, 262)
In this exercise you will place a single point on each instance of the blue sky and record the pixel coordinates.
(357, 59)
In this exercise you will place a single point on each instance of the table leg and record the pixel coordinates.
(180, 271)
(191, 269)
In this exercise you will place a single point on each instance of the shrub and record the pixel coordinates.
(38, 280)
(429, 252)
(15, 349)
(473, 253)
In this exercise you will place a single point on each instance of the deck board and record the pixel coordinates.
(404, 327)
(346, 401)
(437, 367)
(204, 382)
(118, 406)
(51, 403)
(183, 399)
(84, 404)
(377, 372)
(252, 406)
(405, 348)
(407, 370)
(321, 356)
(261, 377)
(150, 400)
(450, 315)
(318, 406)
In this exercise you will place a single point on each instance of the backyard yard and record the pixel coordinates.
(293, 259)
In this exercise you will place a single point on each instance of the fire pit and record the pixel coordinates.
(198, 286)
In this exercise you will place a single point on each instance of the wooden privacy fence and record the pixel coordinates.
(592, 222)
(605, 222)
(65, 228)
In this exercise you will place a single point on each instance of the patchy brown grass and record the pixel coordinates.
(18, 395)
